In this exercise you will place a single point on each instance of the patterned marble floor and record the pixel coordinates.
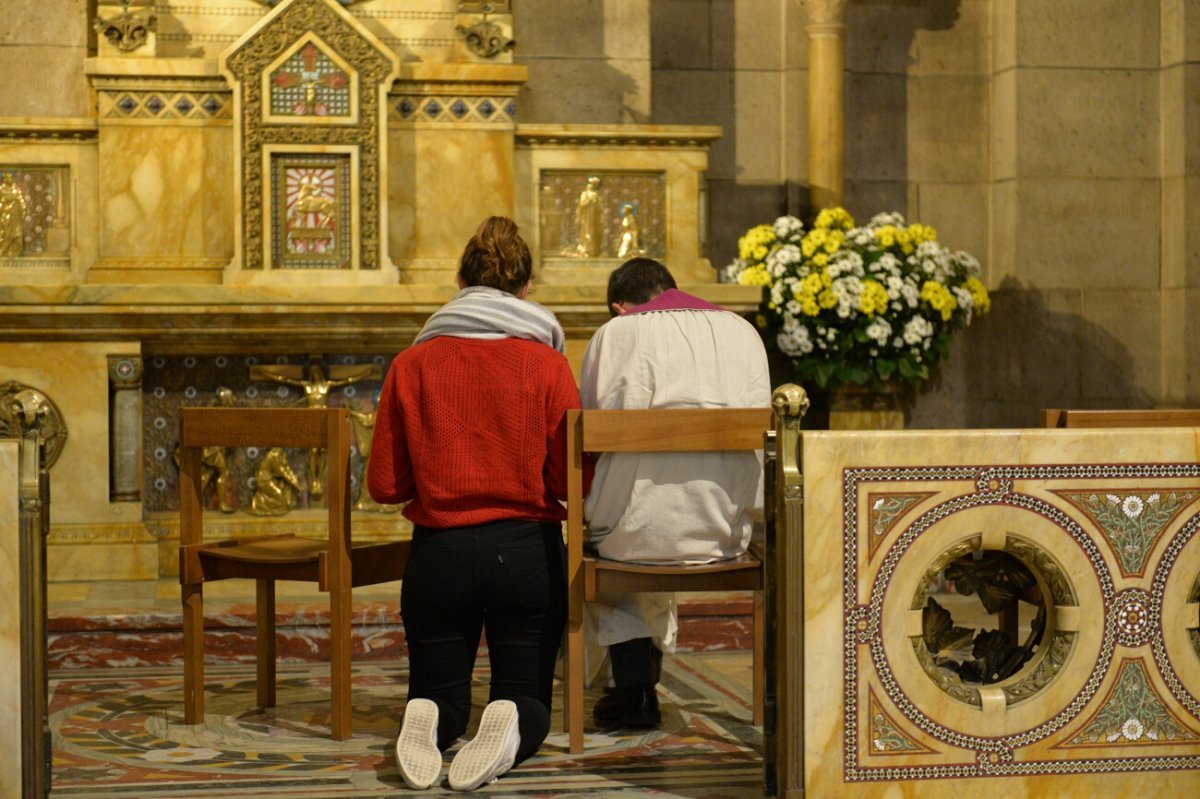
(119, 732)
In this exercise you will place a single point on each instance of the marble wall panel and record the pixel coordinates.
(1087, 33)
(1121, 360)
(1076, 123)
(948, 128)
(166, 192)
(75, 376)
(427, 217)
(876, 725)
(10, 622)
(1077, 232)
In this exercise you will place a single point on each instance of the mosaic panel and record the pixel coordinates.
(35, 216)
(310, 84)
(623, 213)
(1075, 694)
(453, 109)
(172, 382)
(164, 104)
(311, 211)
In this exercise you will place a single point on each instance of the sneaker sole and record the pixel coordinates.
(417, 755)
(482, 759)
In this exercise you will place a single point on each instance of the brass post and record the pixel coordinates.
(29, 409)
(785, 637)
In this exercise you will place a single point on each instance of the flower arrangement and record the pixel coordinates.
(856, 305)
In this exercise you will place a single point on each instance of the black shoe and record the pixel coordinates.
(632, 707)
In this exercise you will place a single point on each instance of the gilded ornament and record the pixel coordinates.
(22, 404)
(127, 31)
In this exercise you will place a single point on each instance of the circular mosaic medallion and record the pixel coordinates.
(1131, 617)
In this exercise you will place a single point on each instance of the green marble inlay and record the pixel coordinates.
(1131, 520)
(1133, 714)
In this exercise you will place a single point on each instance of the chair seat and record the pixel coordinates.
(276, 549)
(601, 575)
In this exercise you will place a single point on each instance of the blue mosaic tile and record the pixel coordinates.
(459, 108)
(127, 104)
(184, 105)
(511, 109)
(155, 104)
(486, 108)
(212, 105)
(433, 108)
(405, 108)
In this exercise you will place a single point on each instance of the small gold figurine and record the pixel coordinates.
(275, 485)
(587, 220)
(12, 217)
(630, 243)
(364, 430)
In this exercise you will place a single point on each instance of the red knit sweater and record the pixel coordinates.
(474, 431)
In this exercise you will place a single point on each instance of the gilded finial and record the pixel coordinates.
(789, 400)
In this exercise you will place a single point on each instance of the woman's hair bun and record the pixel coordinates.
(497, 256)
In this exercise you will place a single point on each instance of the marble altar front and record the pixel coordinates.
(911, 687)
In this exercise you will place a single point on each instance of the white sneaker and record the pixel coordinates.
(417, 755)
(491, 752)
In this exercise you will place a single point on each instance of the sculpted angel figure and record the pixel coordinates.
(275, 485)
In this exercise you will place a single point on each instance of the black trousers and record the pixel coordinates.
(506, 579)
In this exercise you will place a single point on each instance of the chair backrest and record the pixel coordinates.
(1154, 417)
(307, 428)
(650, 430)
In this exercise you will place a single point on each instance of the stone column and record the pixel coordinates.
(826, 30)
(125, 430)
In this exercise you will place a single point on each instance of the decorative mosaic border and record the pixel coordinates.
(165, 105)
(453, 110)
(994, 756)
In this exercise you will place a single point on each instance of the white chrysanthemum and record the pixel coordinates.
(917, 330)
(847, 290)
(793, 307)
(966, 262)
(795, 343)
(787, 228)
(879, 330)
(888, 264)
(910, 293)
(782, 258)
(860, 236)
(893, 284)
(965, 301)
(887, 218)
(777, 298)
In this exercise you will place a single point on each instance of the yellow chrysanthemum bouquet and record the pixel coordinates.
(858, 305)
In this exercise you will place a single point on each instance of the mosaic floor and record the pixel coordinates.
(119, 732)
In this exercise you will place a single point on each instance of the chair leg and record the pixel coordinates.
(193, 652)
(573, 686)
(760, 663)
(341, 724)
(264, 625)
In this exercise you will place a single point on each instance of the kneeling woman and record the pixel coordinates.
(471, 432)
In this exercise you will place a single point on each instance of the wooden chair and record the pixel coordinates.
(1154, 417)
(655, 430)
(335, 565)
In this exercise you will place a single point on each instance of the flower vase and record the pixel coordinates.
(861, 408)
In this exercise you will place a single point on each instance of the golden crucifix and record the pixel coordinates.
(316, 395)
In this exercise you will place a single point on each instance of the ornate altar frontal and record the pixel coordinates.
(264, 204)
